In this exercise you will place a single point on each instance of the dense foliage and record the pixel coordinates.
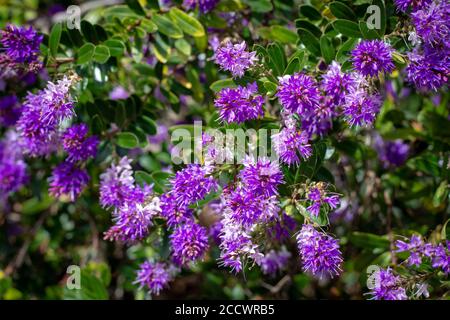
(340, 189)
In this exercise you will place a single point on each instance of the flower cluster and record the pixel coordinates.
(155, 276)
(387, 286)
(239, 104)
(361, 107)
(78, 146)
(391, 153)
(234, 58)
(42, 114)
(251, 202)
(429, 62)
(318, 196)
(12, 166)
(134, 207)
(189, 240)
(291, 142)
(319, 252)
(68, 179)
(274, 261)
(21, 50)
(370, 57)
(419, 250)
(298, 93)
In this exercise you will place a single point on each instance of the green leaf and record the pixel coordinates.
(127, 140)
(277, 58)
(309, 12)
(135, 6)
(278, 33)
(143, 178)
(188, 24)
(441, 194)
(116, 47)
(366, 32)
(85, 53)
(347, 28)
(89, 32)
(310, 41)
(342, 54)
(183, 46)
(101, 53)
(167, 26)
(261, 6)
(341, 11)
(369, 241)
(327, 49)
(293, 66)
(305, 24)
(270, 87)
(148, 25)
(148, 125)
(54, 38)
(221, 84)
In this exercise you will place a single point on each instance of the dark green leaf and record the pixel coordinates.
(54, 38)
(347, 28)
(327, 49)
(127, 140)
(342, 11)
(85, 53)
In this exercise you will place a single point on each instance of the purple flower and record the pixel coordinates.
(370, 57)
(319, 252)
(192, 184)
(67, 179)
(153, 275)
(21, 44)
(291, 142)
(432, 22)
(441, 258)
(320, 120)
(234, 58)
(318, 197)
(428, 70)
(239, 104)
(245, 207)
(117, 185)
(12, 167)
(42, 114)
(404, 5)
(387, 286)
(236, 245)
(78, 146)
(280, 228)
(132, 221)
(391, 153)
(189, 243)
(361, 108)
(203, 5)
(261, 177)
(298, 93)
(118, 93)
(10, 110)
(174, 213)
(274, 261)
(336, 84)
(414, 247)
